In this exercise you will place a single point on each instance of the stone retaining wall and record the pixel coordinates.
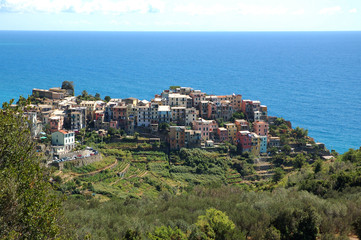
(80, 162)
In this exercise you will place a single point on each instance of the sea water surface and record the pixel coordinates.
(312, 79)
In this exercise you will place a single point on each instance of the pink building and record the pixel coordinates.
(246, 106)
(244, 139)
(119, 112)
(56, 123)
(222, 134)
(98, 114)
(260, 128)
(113, 124)
(207, 127)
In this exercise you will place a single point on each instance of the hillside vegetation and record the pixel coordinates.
(147, 193)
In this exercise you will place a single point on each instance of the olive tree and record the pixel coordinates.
(29, 207)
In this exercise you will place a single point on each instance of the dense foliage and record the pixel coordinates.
(306, 203)
(284, 214)
(29, 208)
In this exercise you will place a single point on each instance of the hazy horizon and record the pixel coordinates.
(167, 15)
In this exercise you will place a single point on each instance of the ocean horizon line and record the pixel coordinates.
(187, 31)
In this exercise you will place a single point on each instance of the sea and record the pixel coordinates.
(312, 79)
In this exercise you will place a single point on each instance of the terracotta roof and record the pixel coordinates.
(65, 132)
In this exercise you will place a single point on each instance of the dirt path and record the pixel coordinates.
(70, 176)
(145, 173)
(123, 171)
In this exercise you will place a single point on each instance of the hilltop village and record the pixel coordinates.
(180, 116)
(129, 163)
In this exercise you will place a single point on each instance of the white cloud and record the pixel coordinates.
(330, 10)
(299, 12)
(244, 9)
(116, 22)
(83, 6)
(194, 9)
(353, 10)
(172, 23)
(261, 10)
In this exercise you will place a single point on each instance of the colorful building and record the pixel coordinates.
(222, 110)
(263, 148)
(179, 115)
(203, 109)
(197, 96)
(235, 100)
(176, 137)
(191, 116)
(232, 131)
(193, 138)
(244, 140)
(274, 142)
(207, 127)
(56, 123)
(256, 144)
(241, 124)
(261, 128)
(222, 134)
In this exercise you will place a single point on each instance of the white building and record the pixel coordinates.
(191, 116)
(164, 114)
(62, 141)
(177, 100)
(144, 116)
(34, 125)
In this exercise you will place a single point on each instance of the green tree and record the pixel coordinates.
(132, 235)
(220, 122)
(278, 175)
(215, 224)
(84, 94)
(299, 132)
(272, 233)
(78, 100)
(298, 224)
(237, 115)
(299, 161)
(46, 128)
(107, 98)
(163, 127)
(68, 86)
(286, 149)
(97, 96)
(174, 87)
(23, 101)
(284, 139)
(279, 121)
(112, 131)
(273, 151)
(29, 207)
(357, 227)
(167, 233)
(317, 166)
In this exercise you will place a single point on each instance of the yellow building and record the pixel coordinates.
(256, 144)
(232, 131)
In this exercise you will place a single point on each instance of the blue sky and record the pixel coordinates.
(172, 15)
